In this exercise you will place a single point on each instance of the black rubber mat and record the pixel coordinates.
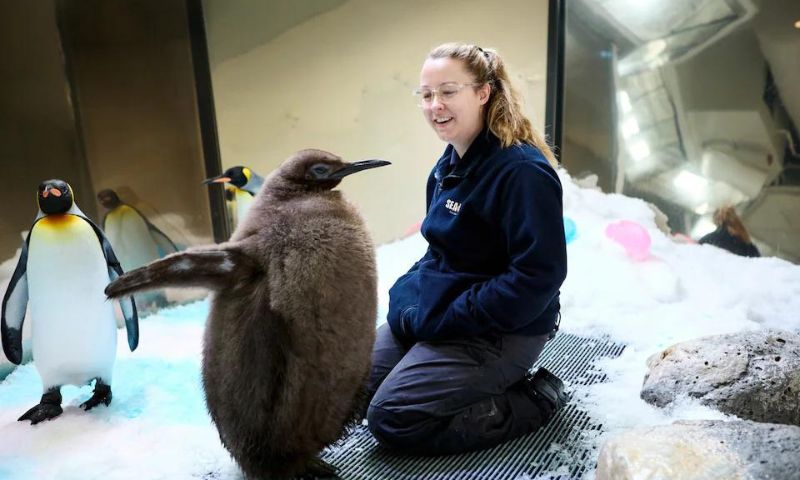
(557, 451)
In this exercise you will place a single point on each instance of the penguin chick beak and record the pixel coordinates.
(218, 179)
(357, 167)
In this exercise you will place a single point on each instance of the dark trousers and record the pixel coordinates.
(453, 396)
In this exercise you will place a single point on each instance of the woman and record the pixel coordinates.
(469, 319)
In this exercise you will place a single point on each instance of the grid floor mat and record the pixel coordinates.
(556, 451)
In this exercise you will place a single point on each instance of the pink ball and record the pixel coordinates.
(632, 236)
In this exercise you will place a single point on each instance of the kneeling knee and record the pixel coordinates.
(390, 428)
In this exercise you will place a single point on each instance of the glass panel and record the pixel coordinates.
(101, 95)
(692, 106)
(338, 75)
(38, 132)
(131, 66)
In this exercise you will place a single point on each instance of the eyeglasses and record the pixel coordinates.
(446, 92)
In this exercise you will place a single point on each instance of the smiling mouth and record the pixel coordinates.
(442, 120)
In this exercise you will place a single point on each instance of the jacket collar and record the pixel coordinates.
(449, 173)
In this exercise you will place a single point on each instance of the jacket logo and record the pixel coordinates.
(453, 206)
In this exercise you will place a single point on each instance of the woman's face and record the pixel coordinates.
(453, 110)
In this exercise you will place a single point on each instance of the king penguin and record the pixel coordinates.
(292, 320)
(65, 264)
(135, 240)
(244, 185)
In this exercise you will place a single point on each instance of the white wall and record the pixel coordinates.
(342, 81)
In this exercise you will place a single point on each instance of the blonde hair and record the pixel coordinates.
(727, 217)
(503, 112)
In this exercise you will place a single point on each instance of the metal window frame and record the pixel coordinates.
(204, 94)
(554, 96)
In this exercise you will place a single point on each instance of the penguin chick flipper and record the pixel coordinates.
(212, 269)
(318, 469)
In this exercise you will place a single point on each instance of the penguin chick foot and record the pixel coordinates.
(318, 469)
(48, 408)
(102, 394)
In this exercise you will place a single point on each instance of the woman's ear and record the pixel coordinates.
(483, 93)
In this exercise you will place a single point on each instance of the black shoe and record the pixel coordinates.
(546, 390)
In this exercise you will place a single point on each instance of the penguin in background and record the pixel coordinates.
(135, 239)
(289, 335)
(123, 218)
(65, 264)
(242, 185)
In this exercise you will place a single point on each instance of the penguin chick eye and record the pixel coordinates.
(319, 171)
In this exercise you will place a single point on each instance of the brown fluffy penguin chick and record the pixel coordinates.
(292, 321)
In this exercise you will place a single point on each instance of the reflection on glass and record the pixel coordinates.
(692, 106)
(135, 239)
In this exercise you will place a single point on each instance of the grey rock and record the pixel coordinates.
(753, 375)
(703, 450)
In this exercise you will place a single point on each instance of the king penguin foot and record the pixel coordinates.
(102, 394)
(318, 469)
(49, 407)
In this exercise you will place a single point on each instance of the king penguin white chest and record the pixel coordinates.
(243, 202)
(73, 328)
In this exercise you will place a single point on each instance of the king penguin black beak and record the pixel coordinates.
(217, 179)
(357, 167)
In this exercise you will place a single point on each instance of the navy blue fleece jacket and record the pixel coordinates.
(497, 255)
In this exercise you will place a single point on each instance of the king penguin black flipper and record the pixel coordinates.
(292, 322)
(15, 303)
